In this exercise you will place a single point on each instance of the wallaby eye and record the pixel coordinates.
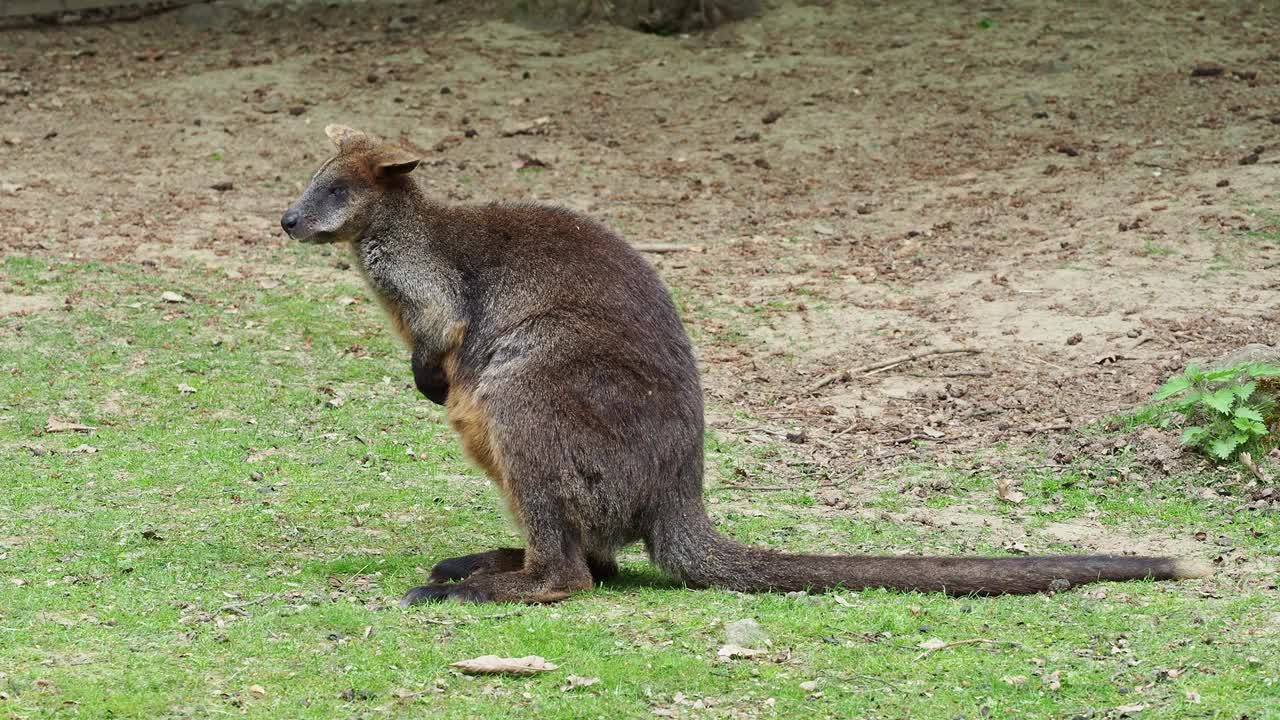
(339, 192)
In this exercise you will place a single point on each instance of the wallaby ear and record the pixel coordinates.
(341, 134)
(395, 161)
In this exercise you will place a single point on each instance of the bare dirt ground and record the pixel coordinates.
(1083, 195)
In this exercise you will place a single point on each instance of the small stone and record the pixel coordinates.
(745, 633)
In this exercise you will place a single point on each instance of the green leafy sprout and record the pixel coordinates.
(1223, 412)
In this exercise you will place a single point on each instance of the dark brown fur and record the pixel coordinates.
(568, 376)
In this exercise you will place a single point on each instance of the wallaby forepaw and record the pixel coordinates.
(458, 568)
(424, 593)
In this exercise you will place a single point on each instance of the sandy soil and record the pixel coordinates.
(1052, 187)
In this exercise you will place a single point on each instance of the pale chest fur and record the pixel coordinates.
(419, 305)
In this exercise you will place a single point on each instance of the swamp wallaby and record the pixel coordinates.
(565, 370)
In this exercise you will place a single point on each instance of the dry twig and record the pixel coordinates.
(883, 365)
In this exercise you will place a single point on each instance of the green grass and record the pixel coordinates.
(240, 549)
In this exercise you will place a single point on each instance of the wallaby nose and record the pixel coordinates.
(289, 221)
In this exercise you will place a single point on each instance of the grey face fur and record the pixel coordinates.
(340, 201)
(333, 208)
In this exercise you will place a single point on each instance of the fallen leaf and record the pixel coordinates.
(185, 389)
(729, 652)
(257, 691)
(1053, 680)
(577, 681)
(823, 229)
(1006, 493)
(1015, 680)
(170, 296)
(83, 450)
(1016, 548)
(932, 644)
(809, 685)
(524, 160)
(1126, 710)
(492, 665)
(537, 126)
(1193, 697)
(54, 425)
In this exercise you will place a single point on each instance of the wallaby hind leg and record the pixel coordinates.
(461, 568)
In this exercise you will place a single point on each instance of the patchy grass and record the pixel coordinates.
(263, 483)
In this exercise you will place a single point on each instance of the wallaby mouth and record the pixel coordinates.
(297, 230)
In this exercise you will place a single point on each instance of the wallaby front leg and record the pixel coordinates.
(602, 567)
(555, 564)
(429, 376)
(461, 568)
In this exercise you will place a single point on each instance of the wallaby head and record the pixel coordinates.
(346, 192)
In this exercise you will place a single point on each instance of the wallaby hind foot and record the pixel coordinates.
(529, 585)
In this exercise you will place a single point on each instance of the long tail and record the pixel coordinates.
(687, 546)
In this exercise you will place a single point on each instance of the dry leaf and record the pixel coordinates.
(85, 449)
(1008, 494)
(1053, 680)
(932, 644)
(55, 426)
(170, 296)
(729, 652)
(1127, 710)
(577, 681)
(1015, 680)
(257, 691)
(185, 389)
(492, 664)
(533, 127)
(525, 160)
